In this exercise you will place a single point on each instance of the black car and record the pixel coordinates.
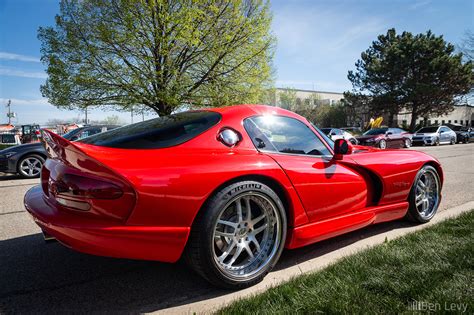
(463, 134)
(28, 159)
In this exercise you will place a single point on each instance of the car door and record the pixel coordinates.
(326, 187)
(444, 134)
(397, 137)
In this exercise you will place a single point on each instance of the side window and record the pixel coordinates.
(8, 138)
(444, 129)
(284, 134)
(338, 132)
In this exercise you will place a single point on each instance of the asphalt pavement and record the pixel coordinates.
(47, 277)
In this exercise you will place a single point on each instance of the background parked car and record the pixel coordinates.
(463, 134)
(335, 133)
(434, 135)
(385, 138)
(28, 159)
(8, 139)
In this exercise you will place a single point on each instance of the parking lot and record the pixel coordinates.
(40, 277)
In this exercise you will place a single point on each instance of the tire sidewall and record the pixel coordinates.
(211, 213)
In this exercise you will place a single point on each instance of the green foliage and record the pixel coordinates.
(420, 73)
(434, 265)
(159, 53)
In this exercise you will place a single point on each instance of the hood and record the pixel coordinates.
(22, 147)
(427, 134)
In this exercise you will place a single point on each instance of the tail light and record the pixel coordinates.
(78, 186)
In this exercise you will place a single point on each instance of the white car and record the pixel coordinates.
(335, 133)
(434, 135)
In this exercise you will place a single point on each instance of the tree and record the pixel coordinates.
(418, 73)
(159, 53)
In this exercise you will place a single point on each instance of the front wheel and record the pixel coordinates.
(453, 141)
(424, 196)
(238, 236)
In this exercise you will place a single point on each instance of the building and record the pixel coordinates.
(308, 96)
(462, 114)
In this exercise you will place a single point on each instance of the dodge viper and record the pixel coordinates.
(226, 189)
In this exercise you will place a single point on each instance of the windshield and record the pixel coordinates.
(427, 130)
(161, 132)
(377, 131)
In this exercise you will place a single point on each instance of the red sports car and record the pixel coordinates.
(227, 188)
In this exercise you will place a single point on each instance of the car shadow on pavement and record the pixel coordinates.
(45, 278)
(4, 176)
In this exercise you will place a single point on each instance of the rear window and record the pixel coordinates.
(161, 132)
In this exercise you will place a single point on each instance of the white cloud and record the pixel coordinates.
(23, 74)
(10, 56)
(418, 4)
(23, 102)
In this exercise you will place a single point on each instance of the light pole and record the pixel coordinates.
(9, 115)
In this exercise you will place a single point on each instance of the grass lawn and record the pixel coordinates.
(429, 270)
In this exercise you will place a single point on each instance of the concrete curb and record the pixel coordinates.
(212, 304)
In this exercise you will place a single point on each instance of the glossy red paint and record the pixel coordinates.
(155, 194)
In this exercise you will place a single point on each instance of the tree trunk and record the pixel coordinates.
(390, 120)
(162, 109)
(414, 116)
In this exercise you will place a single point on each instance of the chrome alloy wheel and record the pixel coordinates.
(31, 166)
(427, 194)
(246, 235)
(407, 143)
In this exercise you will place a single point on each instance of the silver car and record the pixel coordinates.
(434, 135)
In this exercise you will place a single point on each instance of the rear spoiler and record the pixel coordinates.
(56, 145)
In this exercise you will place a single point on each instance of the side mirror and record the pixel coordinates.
(333, 133)
(341, 147)
(441, 131)
(388, 133)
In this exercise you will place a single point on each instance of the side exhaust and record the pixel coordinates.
(47, 237)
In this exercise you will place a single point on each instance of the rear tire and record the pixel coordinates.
(424, 196)
(238, 236)
(30, 166)
(382, 144)
(407, 143)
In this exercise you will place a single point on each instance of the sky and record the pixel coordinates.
(318, 41)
